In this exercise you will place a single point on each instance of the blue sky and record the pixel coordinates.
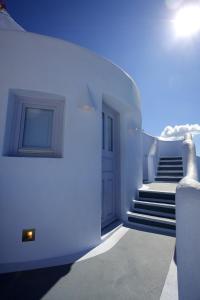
(138, 36)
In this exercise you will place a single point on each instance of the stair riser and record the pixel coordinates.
(164, 201)
(170, 168)
(169, 161)
(153, 208)
(151, 223)
(155, 214)
(180, 174)
(171, 158)
(174, 163)
(156, 195)
(168, 179)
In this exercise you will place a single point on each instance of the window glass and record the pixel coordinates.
(38, 125)
(103, 130)
(110, 134)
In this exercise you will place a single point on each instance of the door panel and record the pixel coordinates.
(110, 162)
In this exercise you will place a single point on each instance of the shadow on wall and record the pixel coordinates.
(30, 285)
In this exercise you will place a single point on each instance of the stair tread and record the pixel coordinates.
(171, 168)
(152, 218)
(167, 164)
(154, 213)
(167, 179)
(161, 174)
(169, 176)
(180, 162)
(170, 171)
(155, 203)
(170, 158)
(156, 191)
(150, 200)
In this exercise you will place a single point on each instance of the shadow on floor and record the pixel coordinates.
(175, 256)
(30, 285)
(151, 230)
(114, 225)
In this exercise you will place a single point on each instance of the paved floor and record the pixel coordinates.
(160, 186)
(134, 269)
(170, 290)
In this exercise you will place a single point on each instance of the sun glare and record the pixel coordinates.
(187, 21)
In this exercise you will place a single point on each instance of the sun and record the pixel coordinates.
(187, 21)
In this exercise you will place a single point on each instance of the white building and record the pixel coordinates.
(73, 159)
(71, 148)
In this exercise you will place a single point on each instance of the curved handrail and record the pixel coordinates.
(187, 224)
(189, 158)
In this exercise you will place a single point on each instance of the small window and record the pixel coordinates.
(37, 125)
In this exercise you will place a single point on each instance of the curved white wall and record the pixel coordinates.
(61, 197)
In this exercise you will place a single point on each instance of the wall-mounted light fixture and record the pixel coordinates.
(28, 235)
(132, 129)
(87, 102)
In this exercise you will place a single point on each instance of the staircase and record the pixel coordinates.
(156, 208)
(170, 169)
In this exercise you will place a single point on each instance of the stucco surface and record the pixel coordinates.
(61, 197)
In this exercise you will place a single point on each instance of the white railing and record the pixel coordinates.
(152, 160)
(188, 225)
(189, 158)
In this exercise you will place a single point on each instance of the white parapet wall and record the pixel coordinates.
(153, 149)
(170, 147)
(187, 227)
(149, 147)
(150, 156)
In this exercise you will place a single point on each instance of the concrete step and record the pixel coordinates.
(154, 221)
(170, 158)
(155, 207)
(170, 168)
(164, 201)
(171, 163)
(157, 196)
(170, 173)
(168, 179)
(154, 213)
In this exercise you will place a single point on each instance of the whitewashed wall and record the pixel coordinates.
(153, 149)
(61, 198)
(170, 148)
